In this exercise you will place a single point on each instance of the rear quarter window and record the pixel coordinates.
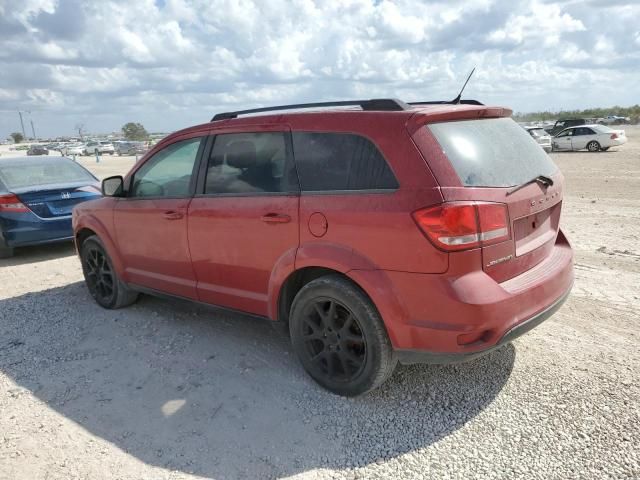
(340, 161)
(494, 152)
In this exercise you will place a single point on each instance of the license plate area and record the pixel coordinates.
(535, 230)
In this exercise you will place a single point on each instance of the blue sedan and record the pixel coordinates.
(37, 196)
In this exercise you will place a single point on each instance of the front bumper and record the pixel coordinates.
(408, 357)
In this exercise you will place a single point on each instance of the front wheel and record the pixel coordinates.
(593, 146)
(339, 337)
(101, 278)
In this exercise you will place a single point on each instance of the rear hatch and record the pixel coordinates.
(491, 163)
(57, 202)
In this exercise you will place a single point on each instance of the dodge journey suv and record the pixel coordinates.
(374, 232)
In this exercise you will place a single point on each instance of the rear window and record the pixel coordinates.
(340, 161)
(494, 152)
(29, 173)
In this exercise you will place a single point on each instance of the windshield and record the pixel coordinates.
(49, 171)
(494, 152)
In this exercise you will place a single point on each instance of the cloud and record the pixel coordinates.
(174, 63)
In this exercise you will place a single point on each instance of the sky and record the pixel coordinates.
(173, 63)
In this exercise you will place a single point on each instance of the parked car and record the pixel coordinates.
(562, 124)
(540, 135)
(37, 150)
(36, 198)
(614, 120)
(592, 137)
(130, 148)
(72, 149)
(93, 147)
(410, 233)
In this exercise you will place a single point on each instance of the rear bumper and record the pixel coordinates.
(28, 229)
(456, 316)
(408, 357)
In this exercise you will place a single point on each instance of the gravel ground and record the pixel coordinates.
(169, 390)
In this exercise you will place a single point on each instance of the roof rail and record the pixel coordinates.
(376, 104)
(445, 102)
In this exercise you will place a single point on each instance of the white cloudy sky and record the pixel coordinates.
(172, 63)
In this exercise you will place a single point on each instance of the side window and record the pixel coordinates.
(168, 173)
(250, 163)
(587, 131)
(340, 161)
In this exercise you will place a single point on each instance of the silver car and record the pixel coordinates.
(541, 136)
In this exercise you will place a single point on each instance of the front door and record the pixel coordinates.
(151, 221)
(243, 222)
(563, 140)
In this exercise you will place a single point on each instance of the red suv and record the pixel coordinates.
(375, 231)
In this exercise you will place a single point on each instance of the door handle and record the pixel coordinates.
(275, 218)
(173, 215)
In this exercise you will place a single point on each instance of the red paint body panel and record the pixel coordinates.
(223, 252)
(234, 251)
(153, 248)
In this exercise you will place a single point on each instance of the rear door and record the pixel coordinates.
(490, 158)
(581, 137)
(243, 222)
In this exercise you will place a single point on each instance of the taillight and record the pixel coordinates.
(464, 225)
(11, 203)
(614, 136)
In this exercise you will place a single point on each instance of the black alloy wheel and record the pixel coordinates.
(99, 275)
(101, 278)
(334, 340)
(339, 336)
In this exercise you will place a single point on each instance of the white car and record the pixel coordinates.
(592, 137)
(95, 146)
(72, 149)
(540, 135)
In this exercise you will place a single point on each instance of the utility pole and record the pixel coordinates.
(24, 134)
(33, 130)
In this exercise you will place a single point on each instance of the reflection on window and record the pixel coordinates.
(249, 163)
(168, 173)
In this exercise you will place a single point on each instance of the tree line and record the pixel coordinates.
(632, 112)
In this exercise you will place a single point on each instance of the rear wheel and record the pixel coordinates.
(101, 278)
(339, 337)
(593, 146)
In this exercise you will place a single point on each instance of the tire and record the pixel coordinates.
(101, 278)
(593, 146)
(339, 337)
(6, 252)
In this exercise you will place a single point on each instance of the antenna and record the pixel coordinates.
(456, 100)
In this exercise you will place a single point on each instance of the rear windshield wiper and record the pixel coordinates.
(541, 179)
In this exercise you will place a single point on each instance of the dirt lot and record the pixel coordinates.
(168, 390)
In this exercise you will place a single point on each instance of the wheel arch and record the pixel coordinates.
(89, 226)
(374, 284)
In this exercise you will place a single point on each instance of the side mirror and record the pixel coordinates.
(113, 186)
